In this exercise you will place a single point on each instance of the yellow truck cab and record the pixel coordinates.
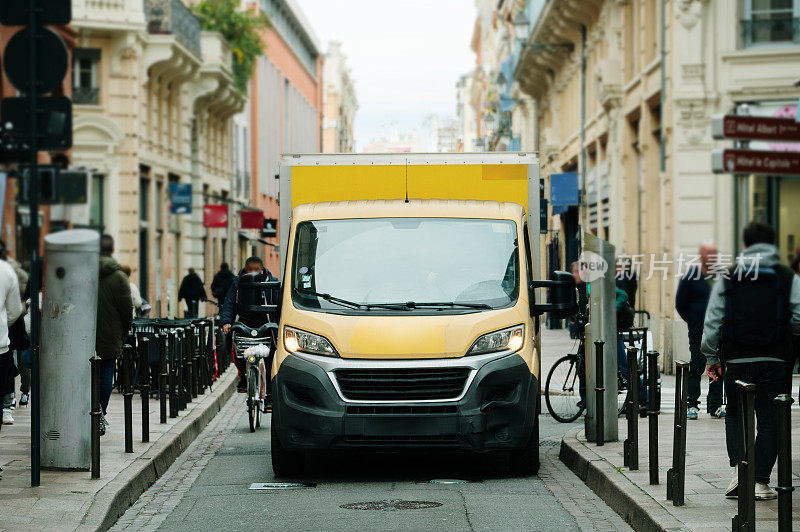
(408, 317)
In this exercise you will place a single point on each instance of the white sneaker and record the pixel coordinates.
(7, 419)
(733, 488)
(764, 492)
(719, 413)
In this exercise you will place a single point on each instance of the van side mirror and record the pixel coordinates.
(562, 295)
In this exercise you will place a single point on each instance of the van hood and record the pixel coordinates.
(407, 337)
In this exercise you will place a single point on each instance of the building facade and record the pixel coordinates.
(153, 102)
(623, 93)
(339, 103)
(285, 113)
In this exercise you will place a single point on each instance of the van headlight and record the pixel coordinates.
(297, 341)
(510, 339)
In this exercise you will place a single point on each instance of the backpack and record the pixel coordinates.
(757, 307)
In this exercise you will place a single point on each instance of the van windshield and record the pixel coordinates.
(465, 264)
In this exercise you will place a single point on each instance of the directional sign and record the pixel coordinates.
(755, 128)
(755, 162)
(180, 195)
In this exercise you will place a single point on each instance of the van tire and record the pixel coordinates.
(285, 463)
(525, 461)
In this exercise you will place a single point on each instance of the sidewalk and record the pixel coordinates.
(644, 506)
(72, 500)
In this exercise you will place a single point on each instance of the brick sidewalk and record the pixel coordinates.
(707, 475)
(72, 500)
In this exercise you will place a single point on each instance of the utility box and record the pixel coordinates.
(69, 324)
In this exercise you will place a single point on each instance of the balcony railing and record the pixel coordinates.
(172, 17)
(783, 29)
(85, 95)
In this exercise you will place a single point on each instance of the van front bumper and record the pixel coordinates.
(496, 409)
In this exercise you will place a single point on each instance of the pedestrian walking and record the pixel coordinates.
(136, 297)
(114, 318)
(17, 336)
(751, 323)
(221, 283)
(691, 300)
(627, 279)
(193, 291)
(10, 311)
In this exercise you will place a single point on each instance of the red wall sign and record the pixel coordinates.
(252, 219)
(755, 162)
(215, 216)
(755, 128)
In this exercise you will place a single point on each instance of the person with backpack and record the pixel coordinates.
(752, 322)
(691, 300)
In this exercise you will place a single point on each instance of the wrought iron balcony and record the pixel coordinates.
(85, 95)
(773, 30)
(172, 17)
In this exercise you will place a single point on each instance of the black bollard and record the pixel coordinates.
(213, 363)
(745, 520)
(188, 366)
(196, 386)
(144, 386)
(96, 415)
(182, 399)
(162, 376)
(173, 377)
(631, 444)
(784, 487)
(676, 476)
(600, 433)
(652, 413)
(644, 373)
(127, 395)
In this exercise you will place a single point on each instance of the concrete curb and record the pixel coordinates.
(634, 505)
(118, 495)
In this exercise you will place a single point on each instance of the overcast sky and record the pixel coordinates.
(405, 56)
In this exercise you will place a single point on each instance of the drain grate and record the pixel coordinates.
(550, 443)
(391, 505)
(281, 485)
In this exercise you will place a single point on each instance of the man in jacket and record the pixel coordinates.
(752, 322)
(229, 313)
(193, 291)
(222, 282)
(114, 317)
(691, 301)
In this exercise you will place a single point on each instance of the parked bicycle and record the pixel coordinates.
(256, 346)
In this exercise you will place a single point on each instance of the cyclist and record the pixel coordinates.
(252, 266)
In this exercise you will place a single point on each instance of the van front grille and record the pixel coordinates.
(402, 384)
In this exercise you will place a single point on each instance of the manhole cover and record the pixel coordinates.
(391, 505)
(280, 485)
(448, 481)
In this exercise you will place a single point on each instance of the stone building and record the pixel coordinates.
(339, 103)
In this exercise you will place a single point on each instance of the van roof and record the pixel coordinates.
(414, 208)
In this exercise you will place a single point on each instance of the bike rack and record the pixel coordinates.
(676, 476)
(745, 519)
(631, 443)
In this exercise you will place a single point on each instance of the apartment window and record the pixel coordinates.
(770, 22)
(85, 90)
(96, 220)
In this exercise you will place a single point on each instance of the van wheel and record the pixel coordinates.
(285, 463)
(525, 461)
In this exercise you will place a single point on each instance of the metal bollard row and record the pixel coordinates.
(600, 433)
(784, 488)
(652, 413)
(676, 475)
(745, 519)
(630, 446)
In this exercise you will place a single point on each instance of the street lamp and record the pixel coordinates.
(502, 83)
(522, 25)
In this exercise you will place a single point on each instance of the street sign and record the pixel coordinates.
(252, 219)
(48, 12)
(543, 216)
(180, 196)
(755, 128)
(270, 228)
(50, 69)
(54, 126)
(725, 161)
(72, 187)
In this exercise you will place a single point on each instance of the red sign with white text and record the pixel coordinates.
(755, 162)
(215, 216)
(755, 128)
(252, 219)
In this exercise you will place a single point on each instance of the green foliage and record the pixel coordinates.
(240, 28)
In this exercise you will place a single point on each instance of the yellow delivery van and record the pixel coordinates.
(409, 315)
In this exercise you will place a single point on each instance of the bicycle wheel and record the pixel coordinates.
(562, 390)
(260, 399)
(252, 397)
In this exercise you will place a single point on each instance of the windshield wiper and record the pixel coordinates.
(410, 305)
(328, 297)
